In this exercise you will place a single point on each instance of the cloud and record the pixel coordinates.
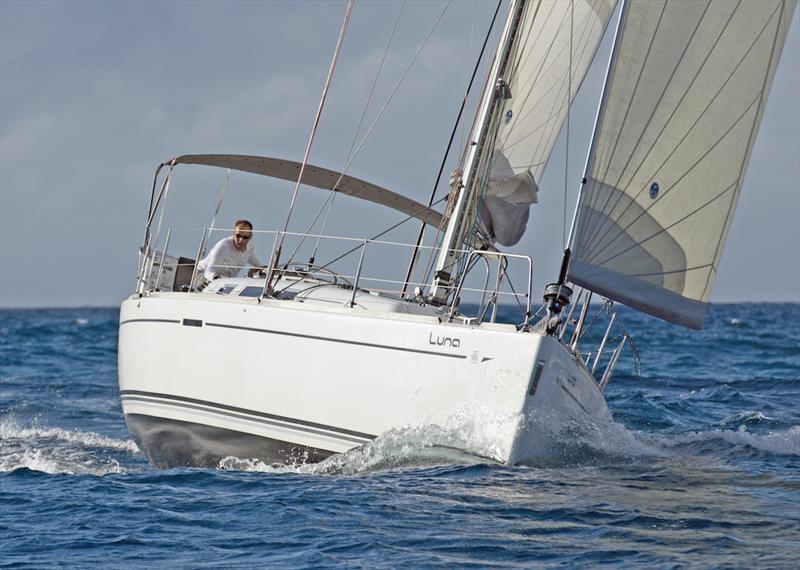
(94, 95)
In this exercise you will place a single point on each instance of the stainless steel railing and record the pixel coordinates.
(153, 266)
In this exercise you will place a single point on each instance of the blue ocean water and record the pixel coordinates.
(701, 468)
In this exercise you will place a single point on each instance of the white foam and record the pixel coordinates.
(9, 428)
(471, 435)
(744, 416)
(431, 445)
(55, 450)
(54, 462)
(614, 439)
(474, 436)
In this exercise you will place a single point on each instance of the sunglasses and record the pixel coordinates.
(242, 237)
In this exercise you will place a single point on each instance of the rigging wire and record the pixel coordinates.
(208, 232)
(397, 86)
(391, 96)
(356, 248)
(463, 133)
(222, 193)
(332, 197)
(429, 263)
(337, 51)
(569, 106)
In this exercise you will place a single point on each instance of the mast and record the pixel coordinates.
(449, 259)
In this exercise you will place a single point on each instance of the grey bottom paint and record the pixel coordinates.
(172, 443)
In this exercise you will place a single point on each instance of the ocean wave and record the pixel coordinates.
(55, 462)
(56, 450)
(571, 444)
(778, 442)
(470, 436)
(601, 441)
(9, 428)
(745, 417)
(387, 452)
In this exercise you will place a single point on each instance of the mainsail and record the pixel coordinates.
(683, 100)
(538, 75)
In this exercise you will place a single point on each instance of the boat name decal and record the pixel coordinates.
(444, 341)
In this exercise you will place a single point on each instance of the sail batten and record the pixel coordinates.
(680, 113)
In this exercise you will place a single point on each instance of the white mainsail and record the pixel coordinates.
(529, 122)
(683, 100)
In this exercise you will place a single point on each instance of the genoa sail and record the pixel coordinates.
(541, 88)
(683, 101)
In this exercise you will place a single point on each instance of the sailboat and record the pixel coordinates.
(341, 359)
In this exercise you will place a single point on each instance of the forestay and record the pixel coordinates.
(529, 122)
(683, 100)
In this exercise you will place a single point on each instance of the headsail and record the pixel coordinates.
(529, 122)
(682, 105)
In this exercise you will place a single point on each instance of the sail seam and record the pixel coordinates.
(545, 141)
(674, 271)
(538, 74)
(661, 98)
(533, 82)
(753, 130)
(670, 226)
(598, 241)
(689, 87)
(522, 48)
(593, 250)
(677, 182)
(628, 108)
(545, 60)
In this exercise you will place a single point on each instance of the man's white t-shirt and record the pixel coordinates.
(224, 260)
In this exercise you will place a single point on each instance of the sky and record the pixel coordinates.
(94, 95)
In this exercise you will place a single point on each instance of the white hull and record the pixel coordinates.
(204, 377)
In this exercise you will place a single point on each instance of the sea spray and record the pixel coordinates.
(56, 450)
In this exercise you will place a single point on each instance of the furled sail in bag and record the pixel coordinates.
(683, 100)
(529, 122)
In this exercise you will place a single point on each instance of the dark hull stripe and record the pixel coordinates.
(169, 321)
(308, 336)
(339, 340)
(171, 443)
(243, 413)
